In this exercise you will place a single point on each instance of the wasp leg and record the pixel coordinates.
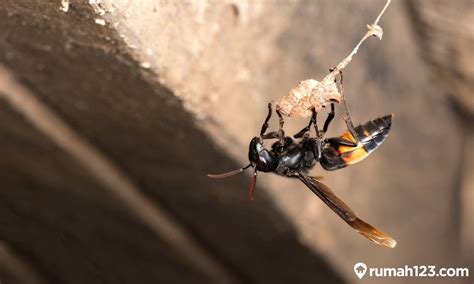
(303, 131)
(329, 119)
(347, 117)
(316, 146)
(315, 124)
(350, 126)
(340, 142)
(265, 124)
(281, 132)
(271, 135)
(318, 149)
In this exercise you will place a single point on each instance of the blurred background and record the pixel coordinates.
(113, 112)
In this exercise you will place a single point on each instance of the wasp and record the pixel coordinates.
(295, 158)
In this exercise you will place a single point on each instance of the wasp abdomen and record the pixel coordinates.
(373, 133)
(370, 135)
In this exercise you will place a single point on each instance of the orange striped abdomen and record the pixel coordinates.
(370, 134)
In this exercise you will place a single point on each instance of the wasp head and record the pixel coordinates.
(260, 158)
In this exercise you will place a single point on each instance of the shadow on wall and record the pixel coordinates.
(64, 225)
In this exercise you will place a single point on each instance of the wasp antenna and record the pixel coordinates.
(228, 174)
(253, 181)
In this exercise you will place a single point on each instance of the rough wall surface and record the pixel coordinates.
(169, 90)
(446, 35)
(83, 73)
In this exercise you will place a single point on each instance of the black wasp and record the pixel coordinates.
(294, 159)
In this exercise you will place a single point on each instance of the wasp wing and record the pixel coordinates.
(341, 209)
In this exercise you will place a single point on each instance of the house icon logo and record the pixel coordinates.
(360, 269)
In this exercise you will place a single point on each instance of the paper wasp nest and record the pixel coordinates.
(307, 95)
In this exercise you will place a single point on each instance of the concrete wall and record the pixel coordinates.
(112, 114)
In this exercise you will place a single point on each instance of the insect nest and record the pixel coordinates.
(308, 95)
(311, 94)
